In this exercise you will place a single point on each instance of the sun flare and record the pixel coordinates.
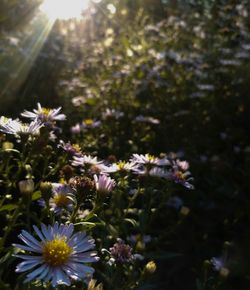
(64, 9)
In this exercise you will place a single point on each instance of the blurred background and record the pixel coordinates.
(180, 68)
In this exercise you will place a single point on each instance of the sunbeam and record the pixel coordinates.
(64, 9)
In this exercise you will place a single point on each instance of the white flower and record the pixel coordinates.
(45, 115)
(155, 172)
(121, 166)
(85, 160)
(147, 119)
(158, 172)
(4, 121)
(112, 113)
(149, 159)
(16, 127)
(90, 124)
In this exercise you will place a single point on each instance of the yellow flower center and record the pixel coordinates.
(151, 157)
(61, 200)
(88, 122)
(121, 164)
(76, 147)
(179, 175)
(56, 252)
(45, 111)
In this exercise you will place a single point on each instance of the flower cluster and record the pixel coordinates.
(81, 192)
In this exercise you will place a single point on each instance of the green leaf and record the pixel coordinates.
(36, 195)
(5, 257)
(8, 207)
(89, 216)
(133, 222)
(88, 225)
(12, 150)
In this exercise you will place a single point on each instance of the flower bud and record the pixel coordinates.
(150, 267)
(29, 171)
(227, 245)
(184, 211)
(45, 187)
(26, 187)
(7, 145)
(207, 264)
(224, 272)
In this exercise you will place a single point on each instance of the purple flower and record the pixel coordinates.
(76, 129)
(218, 263)
(73, 149)
(103, 183)
(57, 256)
(180, 174)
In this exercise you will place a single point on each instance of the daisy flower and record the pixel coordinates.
(147, 119)
(158, 172)
(148, 159)
(45, 115)
(4, 121)
(85, 160)
(73, 149)
(180, 173)
(218, 263)
(62, 199)
(58, 256)
(18, 128)
(121, 166)
(182, 178)
(90, 123)
(104, 184)
(112, 113)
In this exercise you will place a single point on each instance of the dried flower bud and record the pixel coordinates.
(26, 187)
(81, 184)
(121, 252)
(67, 172)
